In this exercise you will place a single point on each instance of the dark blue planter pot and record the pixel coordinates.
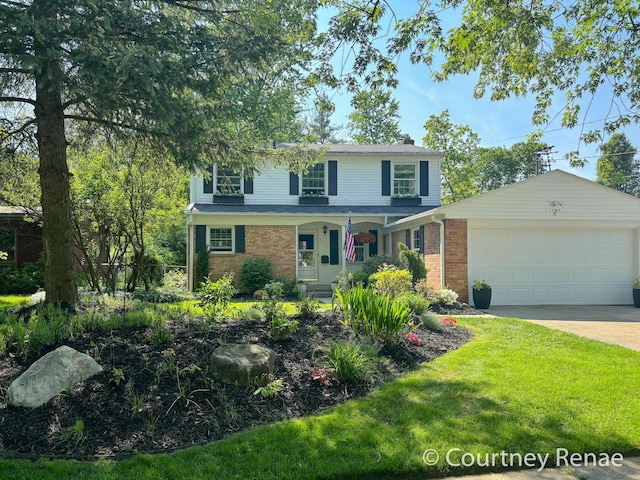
(482, 298)
(636, 297)
(406, 202)
(302, 200)
(228, 199)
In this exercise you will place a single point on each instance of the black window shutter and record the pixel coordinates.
(386, 178)
(424, 179)
(373, 247)
(408, 237)
(248, 186)
(208, 184)
(334, 248)
(239, 239)
(201, 237)
(294, 181)
(422, 240)
(333, 177)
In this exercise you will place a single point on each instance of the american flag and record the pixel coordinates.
(349, 246)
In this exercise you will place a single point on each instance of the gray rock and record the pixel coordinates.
(241, 364)
(49, 375)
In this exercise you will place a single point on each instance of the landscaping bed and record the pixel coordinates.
(156, 396)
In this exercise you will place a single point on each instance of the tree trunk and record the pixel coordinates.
(57, 226)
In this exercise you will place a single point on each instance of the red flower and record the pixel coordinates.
(449, 321)
(413, 338)
(322, 377)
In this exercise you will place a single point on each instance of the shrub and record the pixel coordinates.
(375, 315)
(431, 322)
(308, 307)
(26, 280)
(416, 304)
(424, 288)
(214, 297)
(391, 281)
(255, 273)
(350, 360)
(281, 328)
(359, 277)
(445, 297)
(413, 262)
(202, 265)
(372, 264)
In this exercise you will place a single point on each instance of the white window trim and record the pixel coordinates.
(215, 181)
(233, 240)
(415, 233)
(416, 176)
(324, 181)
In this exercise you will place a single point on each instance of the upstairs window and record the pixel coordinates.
(313, 180)
(404, 179)
(228, 182)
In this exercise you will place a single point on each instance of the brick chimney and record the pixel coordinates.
(406, 140)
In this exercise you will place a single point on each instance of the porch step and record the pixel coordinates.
(318, 291)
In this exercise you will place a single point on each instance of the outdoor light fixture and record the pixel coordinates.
(555, 207)
(324, 229)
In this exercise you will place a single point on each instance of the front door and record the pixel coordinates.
(307, 257)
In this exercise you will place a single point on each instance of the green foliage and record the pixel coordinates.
(308, 307)
(417, 304)
(616, 167)
(374, 119)
(158, 333)
(359, 277)
(373, 264)
(392, 281)
(26, 280)
(271, 389)
(202, 265)
(413, 262)
(281, 328)
(255, 273)
(430, 321)
(214, 297)
(350, 361)
(74, 433)
(375, 315)
(424, 288)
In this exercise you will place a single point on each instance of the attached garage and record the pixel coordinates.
(553, 239)
(537, 266)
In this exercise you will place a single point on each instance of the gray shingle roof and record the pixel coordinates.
(405, 149)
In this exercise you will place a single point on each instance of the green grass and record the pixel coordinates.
(11, 301)
(516, 387)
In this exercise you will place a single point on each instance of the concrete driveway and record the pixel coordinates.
(617, 324)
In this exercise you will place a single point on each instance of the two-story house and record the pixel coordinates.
(299, 222)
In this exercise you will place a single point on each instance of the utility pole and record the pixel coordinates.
(543, 162)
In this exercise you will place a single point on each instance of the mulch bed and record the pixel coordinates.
(164, 400)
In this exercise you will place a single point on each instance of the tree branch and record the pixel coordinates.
(101, 121)
(18, 99)
(14, 70)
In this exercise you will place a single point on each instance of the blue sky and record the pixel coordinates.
(497, 123)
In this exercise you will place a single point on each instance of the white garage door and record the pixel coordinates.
(553, 266)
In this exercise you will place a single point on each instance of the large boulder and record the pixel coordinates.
(241, 364)
(49, 375)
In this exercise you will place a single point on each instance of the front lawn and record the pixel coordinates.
(516, 387)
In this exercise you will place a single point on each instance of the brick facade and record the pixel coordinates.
(432, 253)
(275, 243)
(456, 258)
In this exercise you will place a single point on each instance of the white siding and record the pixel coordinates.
(359, 182)
(550, 265)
